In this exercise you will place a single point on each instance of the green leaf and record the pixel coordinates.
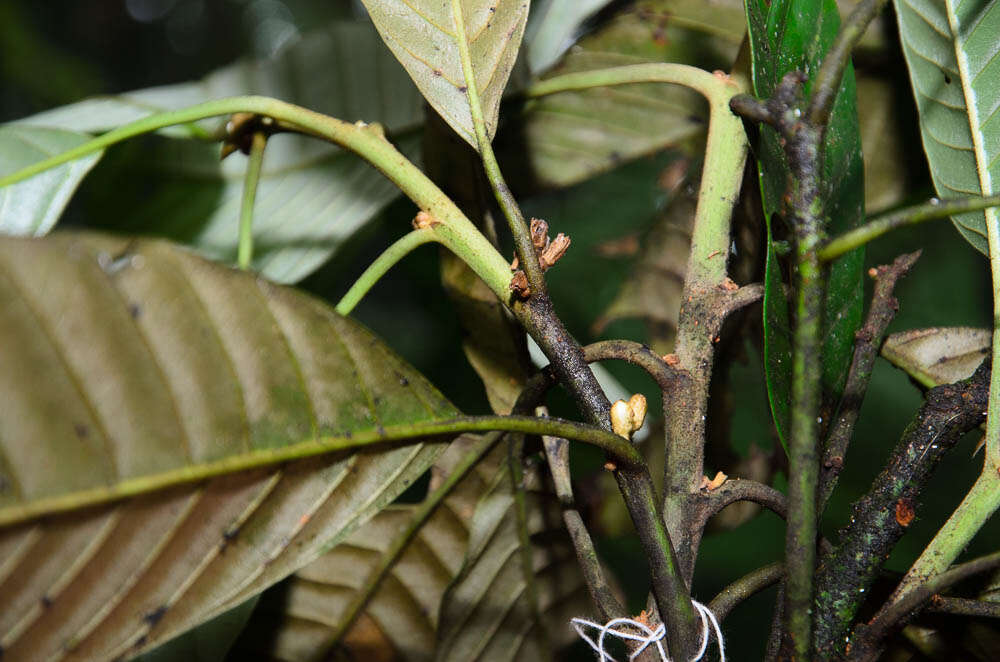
(312, 196)
(33, 206)
(552, 28)
(176, 437)
(790, 35)
(426, 37)
(938, 355)
(951, 51)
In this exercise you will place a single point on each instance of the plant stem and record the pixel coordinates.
(880, 225)
(868, 341)
(378, 268)
(515, 220)
(250, 182)
(744, 587)
(964, 607)
(831, 72)
(623, 452)
(881, 517)
(869, 638)
(401, 543)
(456, 232)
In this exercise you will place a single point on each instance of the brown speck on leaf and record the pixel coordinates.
(904, 512)
(438, 72)
(462, 89)
(519, 285)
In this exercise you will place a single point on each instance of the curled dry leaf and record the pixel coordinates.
(938, 355)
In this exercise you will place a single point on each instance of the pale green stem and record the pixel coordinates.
(390, 256)
(511, 211)
(251, 180)
(883, 223)
(403, 434)
(456, 231)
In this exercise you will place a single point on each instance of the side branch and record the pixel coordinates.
(880, 518)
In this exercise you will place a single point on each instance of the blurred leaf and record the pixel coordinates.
(552, 28)
(804, 30)
(296, 621)
(312, 195)
(209, 642)
(425, 39)
(487, 612)
(568, 137)
(951, 51)
(936, 356)
(33, 206)
(722, 18)
(169, 440)
(653, 290)
(881, 140)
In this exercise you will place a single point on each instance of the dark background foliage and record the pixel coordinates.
(59, 51)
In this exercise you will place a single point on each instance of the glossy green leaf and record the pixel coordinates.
(793, 35)
(952, 52)
(33, 206)
(312, 196)
(552, 28)
(176, 437)
(939, 355)
(427, 36)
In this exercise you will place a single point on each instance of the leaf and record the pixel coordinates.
(789, 35)
(487, 611)
(562, 139)
(33, 206)
(208, 642)
(427, 37)
(951, 51)
(653, 290)
(938, 355)
(312, 196)
(552, 28)
(296, 621)
(169, 440)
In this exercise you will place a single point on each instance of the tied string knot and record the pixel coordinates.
(626, 629)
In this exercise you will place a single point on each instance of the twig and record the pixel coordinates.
(744, 587)
(250, 181)
(963, 607)
(741, 490)
(831, 72)
(880, 518)
(378, 268)
(868, 639)
(880, 225)
(868, 341)
(557, 455)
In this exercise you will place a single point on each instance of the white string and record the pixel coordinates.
(623, 628)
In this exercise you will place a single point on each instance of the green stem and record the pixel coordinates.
(456, 231)
(250, 182)
(389, 257)
(883, 223)
(515, 219)
(401, 543)
(394, 435)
